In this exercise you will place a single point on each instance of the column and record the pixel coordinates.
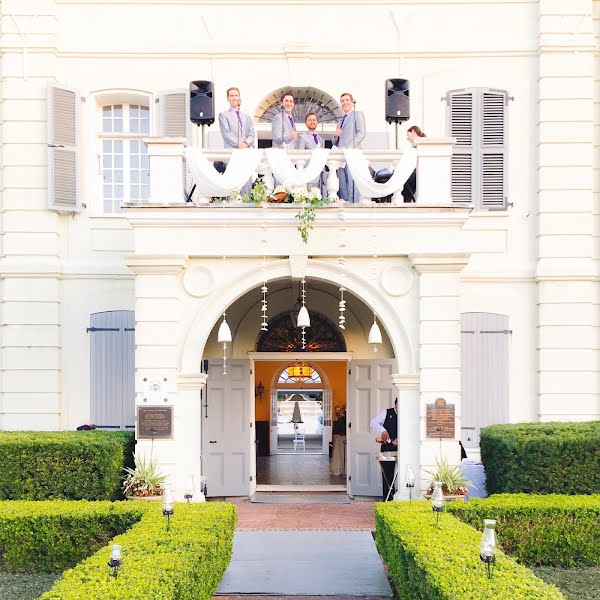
(439, 349)
(568, 362)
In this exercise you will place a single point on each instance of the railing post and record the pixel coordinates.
(333, 183)
(166, 170)
(434, 170)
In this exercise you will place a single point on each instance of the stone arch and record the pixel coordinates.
(208, 315)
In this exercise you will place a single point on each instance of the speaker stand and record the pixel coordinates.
(396, 124)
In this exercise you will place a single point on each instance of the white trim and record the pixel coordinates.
(305, 356)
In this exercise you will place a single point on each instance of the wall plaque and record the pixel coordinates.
(440, 419)
(154, 422)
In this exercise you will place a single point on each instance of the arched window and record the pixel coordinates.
(306, 100)
(299, 372)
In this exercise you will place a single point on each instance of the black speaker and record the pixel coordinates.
(397, 100)
(202, 102)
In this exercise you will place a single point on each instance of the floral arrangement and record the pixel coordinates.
(308, 198)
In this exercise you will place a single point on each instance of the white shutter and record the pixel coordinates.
(63, 149)
(493, 150)
(460, 126)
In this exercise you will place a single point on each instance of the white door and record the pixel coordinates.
(370, 390)
(327, 424)
(273, 433)
(228, 429)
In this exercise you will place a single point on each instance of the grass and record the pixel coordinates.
(25, 586)
(576, 583)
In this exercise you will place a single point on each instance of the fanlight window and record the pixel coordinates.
(299, 373)
(306, 100)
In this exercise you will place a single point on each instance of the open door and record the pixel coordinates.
(370, 390)
(228, 429)
(327, 421)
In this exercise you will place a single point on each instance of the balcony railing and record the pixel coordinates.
(170, 182)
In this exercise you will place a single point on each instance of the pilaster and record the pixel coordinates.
(439, 349)
(565, 268)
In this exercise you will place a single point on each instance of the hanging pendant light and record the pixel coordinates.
(375, 333)
(223, 337)
(303, 316)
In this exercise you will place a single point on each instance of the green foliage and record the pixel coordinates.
(74, 465)
(542, 458)
(540, 530)
(452, 480)
(53, 535)
(187, 562)
(145, 479)
(431, 563)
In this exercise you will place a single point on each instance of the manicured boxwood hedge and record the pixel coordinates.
(74, 465)
(542, 458)
(427, 563)
(540, 530)
(53, 535)
(187, 562)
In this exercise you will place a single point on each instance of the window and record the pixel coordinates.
(124, 156)
(477, 118)
(299, 373)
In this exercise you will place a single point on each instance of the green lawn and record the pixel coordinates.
(25, 586)
(577, 583)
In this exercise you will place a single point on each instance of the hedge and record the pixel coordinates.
(431, 563)
(542, 458)
(540, 530)
(53, 535)
(73, 465)
(187, 562)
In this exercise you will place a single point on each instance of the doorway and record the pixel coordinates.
(300, 421)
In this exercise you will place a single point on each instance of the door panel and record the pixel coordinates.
(370, 390)
(227, 431)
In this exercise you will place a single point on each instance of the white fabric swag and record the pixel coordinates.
(240, 168)
(283, 168)
(359, 169)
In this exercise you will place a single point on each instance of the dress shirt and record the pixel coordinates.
(377, 422)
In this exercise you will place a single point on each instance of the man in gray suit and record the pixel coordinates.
(283, 126)
(349, 134)
(236, 127)
(309, 141)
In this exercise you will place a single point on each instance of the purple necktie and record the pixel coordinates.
(316, 138)
(292, 122)
(239, 118)
(342, 122)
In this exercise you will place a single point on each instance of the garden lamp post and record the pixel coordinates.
(168, 507)
(410, 481)
(437, 501)
(487, 546)
(115, 560)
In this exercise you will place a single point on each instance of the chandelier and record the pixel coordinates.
(299, 372)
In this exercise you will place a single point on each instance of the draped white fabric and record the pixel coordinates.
(284, 170)
(359, 169)
(241, 166)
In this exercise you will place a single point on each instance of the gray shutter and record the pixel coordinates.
(63, 167)
(485, 341)
(460, 126)
(112, 369)
(493, 150)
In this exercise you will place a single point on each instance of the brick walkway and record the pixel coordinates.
(358, 515)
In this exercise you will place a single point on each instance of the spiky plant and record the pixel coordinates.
(144, 480)
(452, 480)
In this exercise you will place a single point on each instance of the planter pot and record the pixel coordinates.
(449, 498)
(144, 498)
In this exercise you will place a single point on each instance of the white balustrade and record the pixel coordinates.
(434, 163)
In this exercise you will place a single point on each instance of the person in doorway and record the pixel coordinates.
(409, 191)
(338, 457)
(236, 128)
(350, 133)
(385, 425)
(283, 125)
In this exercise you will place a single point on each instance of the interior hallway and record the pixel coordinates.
(296, 469)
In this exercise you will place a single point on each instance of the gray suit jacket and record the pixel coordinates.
(230, 129)
(353, 131)
(307, 142)
(280, 141)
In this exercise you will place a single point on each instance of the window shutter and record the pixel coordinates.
(174, 113)
(63, 149)
(493, 149)
(460, 126)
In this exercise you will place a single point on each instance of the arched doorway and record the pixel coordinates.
(306, 99)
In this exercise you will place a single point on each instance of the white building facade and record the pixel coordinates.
(487, 289)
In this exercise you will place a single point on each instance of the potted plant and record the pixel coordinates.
(145, 481)
(454, 483)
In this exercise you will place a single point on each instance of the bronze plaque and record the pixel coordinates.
(154, 422)
(440, 419)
